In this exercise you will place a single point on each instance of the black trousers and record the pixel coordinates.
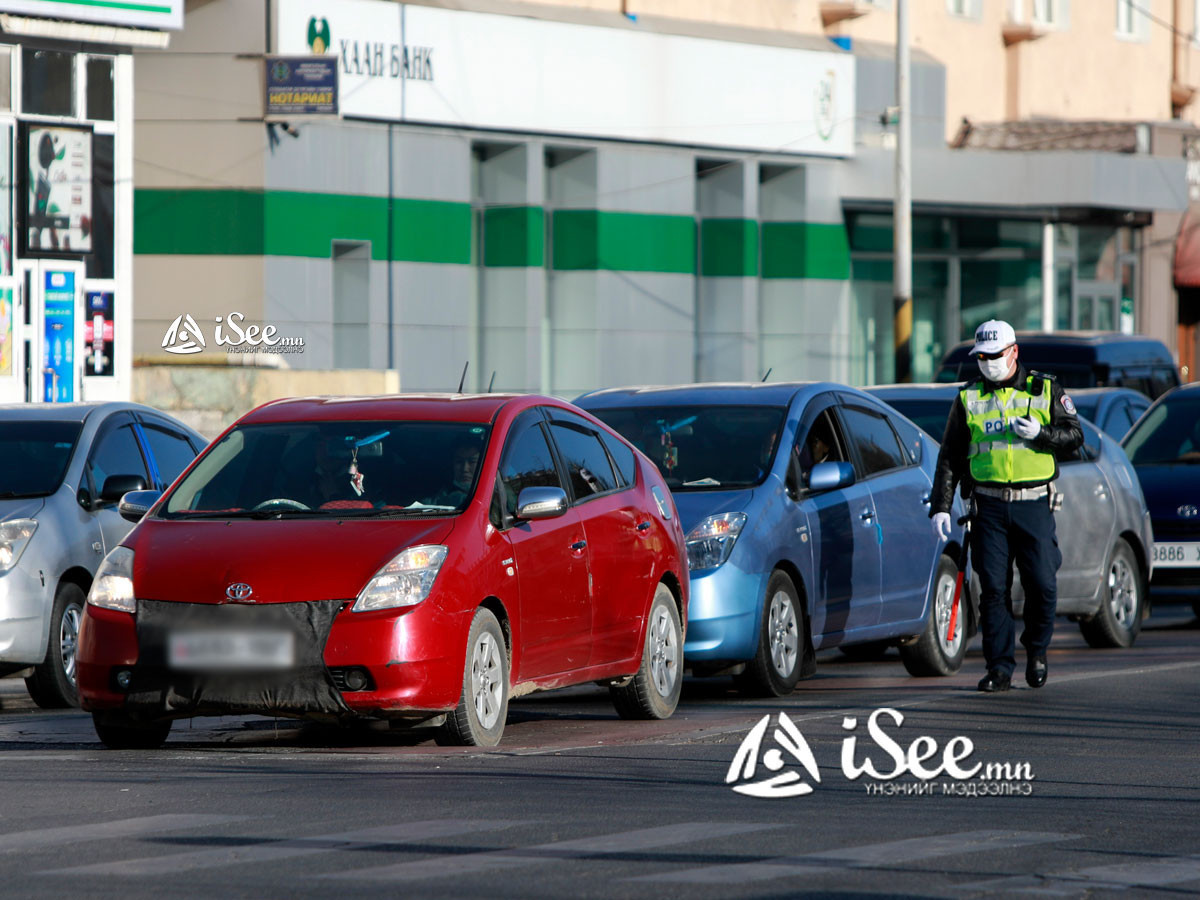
(1023, 531)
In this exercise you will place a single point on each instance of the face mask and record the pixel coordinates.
(994, 369)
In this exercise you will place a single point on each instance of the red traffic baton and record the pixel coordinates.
(965, 521)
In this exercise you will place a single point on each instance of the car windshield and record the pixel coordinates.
(34, 456)
(1168, 433)
(334, 469)
(929, 415)
(702, 447)
(1086, 406)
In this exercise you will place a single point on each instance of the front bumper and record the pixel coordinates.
(25, 604)
(408, 655)
(723, 615)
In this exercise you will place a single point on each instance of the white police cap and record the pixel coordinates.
(993, 336)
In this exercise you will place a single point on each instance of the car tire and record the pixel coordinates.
(1119, 619)
(653, 693)
(867, 652)
(119, 731)
(52, 684)
(779, 660)
(478, 720)
(931, 654)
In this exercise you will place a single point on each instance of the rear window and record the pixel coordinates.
(34, 456)
(354, 468)
(700, 448)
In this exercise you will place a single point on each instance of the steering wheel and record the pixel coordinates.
(282, 503)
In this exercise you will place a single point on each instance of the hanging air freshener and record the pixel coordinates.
(356, 477)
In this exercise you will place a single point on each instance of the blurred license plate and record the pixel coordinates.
(247, 650)
(1177, 555)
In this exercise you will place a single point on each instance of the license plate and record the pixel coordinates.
(229, 650)
(1177, 555)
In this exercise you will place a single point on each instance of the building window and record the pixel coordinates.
(47, 82)
(6, 78)
(1131, 20)
(965, 9)
(1050, 13)
(100, 88)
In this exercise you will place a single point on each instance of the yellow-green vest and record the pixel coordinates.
(996, 453)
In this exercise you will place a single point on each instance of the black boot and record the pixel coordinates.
(1035, 671)
(995, 681)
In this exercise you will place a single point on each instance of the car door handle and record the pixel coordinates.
(1101, 492)
(925, 500)
(867, 515)
(578, 546)
(643, 527)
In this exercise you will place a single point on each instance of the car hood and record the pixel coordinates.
(21, 508)
(1166, 487)
(696, 505)
(282, 561)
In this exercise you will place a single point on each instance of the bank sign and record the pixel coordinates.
(424, 64)
(149, 14)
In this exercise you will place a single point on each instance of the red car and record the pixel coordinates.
(416, 558)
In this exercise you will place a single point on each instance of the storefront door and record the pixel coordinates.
(54, 339)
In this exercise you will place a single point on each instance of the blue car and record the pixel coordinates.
(806, 510)
(1164, 448)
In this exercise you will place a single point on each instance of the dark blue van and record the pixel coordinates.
(1082, 359)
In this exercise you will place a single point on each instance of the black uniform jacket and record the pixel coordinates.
(1062, 437)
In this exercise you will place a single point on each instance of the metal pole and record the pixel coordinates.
(902, 247)
(1048, 285)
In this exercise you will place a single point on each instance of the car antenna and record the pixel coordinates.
(768, 373)
(463, 380)
(493, 381)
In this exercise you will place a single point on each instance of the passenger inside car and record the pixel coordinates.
(463, 465)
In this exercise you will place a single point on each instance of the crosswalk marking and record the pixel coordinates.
(288, 849)
(559, 851)
(890, 853)
(1117, 876)
(97, 831)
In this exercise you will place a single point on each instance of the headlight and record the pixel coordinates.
(405, 581)
(113, 587)
(710, 543)
(14, 535)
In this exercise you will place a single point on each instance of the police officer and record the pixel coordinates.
(1001, 442)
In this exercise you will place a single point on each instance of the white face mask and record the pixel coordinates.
(994, 369)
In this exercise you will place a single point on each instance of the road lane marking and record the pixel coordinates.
(100, 831)
(863, 857)
(270, 851)
(1114, 877)
(557, 852)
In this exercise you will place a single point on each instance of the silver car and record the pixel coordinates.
(1103, 527)
(63, 467)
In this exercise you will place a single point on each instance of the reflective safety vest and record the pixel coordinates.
(996, 453)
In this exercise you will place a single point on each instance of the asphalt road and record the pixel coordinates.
(1095, 791)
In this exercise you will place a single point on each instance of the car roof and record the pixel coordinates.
(411, 407)
(1083, 346)
(63, 412)
(713, 393)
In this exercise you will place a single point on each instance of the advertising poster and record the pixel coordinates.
(6, 199)
(98, 334)
(58, 212)
(6, 332)
(302, 85)
(58, 350)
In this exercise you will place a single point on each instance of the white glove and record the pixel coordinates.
(941, 526)
(1026, 427)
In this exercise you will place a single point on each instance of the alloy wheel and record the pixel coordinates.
(68, 640)
(783, 633)
(487, 680)
(664, 652)
(1122, 592)
(943, 604)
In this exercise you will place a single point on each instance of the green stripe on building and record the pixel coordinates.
(114, 4)
(805, 250)
(514, 236)
(588, 239)
(729, 247)
(216, 222)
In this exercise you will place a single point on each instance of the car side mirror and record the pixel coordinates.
(136, 504)
(541, 503)
(117, 486)
(830, 476)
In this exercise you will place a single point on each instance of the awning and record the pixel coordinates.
(1187, 250)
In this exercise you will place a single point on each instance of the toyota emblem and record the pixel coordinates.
(240, 593)
(1187, 511)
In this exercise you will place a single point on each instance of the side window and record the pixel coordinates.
(1089, 450)
(1162, 379)
(117, 453)
(172, 452)
(821, 443)
(877, 444)
(527, 462)
(622, 456)
(587, 464)
(910, 437)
